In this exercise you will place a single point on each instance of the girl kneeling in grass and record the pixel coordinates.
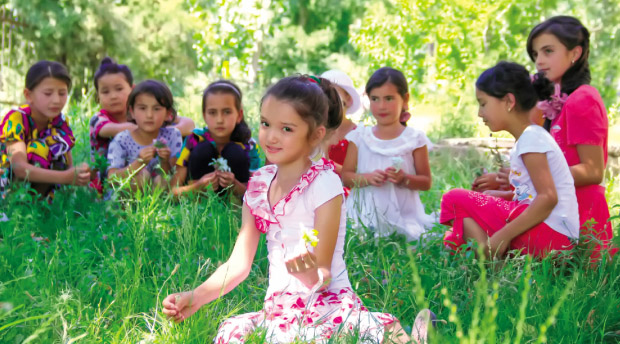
(136, 153)
(309, 297)
(226, 138)
(35, 138)
(541, 213)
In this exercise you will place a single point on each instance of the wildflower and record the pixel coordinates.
(397, 162)
(309, 235)
(160, 143)
(220, 164)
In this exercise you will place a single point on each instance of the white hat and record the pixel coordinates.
(342, 79)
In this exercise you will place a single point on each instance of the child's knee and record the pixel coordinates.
(454, 196)
(238, 161)
(199, 159)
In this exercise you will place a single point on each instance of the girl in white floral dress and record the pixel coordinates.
(309, 297)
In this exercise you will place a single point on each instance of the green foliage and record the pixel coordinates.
(85, 269)
(443, 46)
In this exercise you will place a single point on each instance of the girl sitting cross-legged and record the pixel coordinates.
(541, 213)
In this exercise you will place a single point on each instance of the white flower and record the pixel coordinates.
(310, 236)
(220, 164)
(397, 162)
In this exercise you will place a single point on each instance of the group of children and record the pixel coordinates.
(323, 168)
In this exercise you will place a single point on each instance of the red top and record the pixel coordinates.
(338, 152)
(583, 121)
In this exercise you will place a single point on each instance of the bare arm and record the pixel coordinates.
(184, 124)
(180, 176)
(224, 279)
(546, 199)
(112, 129)
(350, 177)
(422, 180)
(591, 167)
(23, 170)
(306, 267)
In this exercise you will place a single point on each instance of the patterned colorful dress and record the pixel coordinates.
(46, 149)
(291, 310)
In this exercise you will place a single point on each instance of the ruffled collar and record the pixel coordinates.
(257, 193)
(551, 108)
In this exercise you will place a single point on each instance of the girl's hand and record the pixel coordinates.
(304, 268)
(502, 178)
(395, 176)
(487, 181)
(80, 175)
(180, 306)
(498, 244)
(209, 179)
(163, 153)
(225, 179)
(376, 178)
(147, 154)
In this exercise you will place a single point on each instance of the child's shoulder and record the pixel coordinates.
(123, 136)
(584, 95)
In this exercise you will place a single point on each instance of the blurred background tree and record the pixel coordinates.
(441, 46)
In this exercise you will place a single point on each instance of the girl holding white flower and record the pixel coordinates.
(309, 297)
(387, 164)
(222, 154)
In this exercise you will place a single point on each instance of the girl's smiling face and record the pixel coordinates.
(221, 115)
(113, 92)
(386, 104)
(284, 135)
(552, 57)
(148, 113)
(47, 98)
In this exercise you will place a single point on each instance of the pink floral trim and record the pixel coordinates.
(552, 108)
(256, 195)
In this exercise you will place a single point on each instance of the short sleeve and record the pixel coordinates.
(355, 135)
(419, 139)
(117, 155)
(97, 122)
(586, 118)
(175, 141)
(188, 144)
(534, 140)
(325, 187)
(13, 129)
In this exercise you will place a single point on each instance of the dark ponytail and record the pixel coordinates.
(315, 99)
(510, 77)
(108, 66)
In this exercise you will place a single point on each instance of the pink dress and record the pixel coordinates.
(583, 121)
(291, 311)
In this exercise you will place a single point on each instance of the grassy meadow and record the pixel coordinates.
(83, 270)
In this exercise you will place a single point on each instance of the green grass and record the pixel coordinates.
(91, 271)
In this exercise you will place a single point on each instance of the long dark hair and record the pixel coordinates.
(509, 77)
(159, 91)
(571, 33)
(315, 100)
(241, 132)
